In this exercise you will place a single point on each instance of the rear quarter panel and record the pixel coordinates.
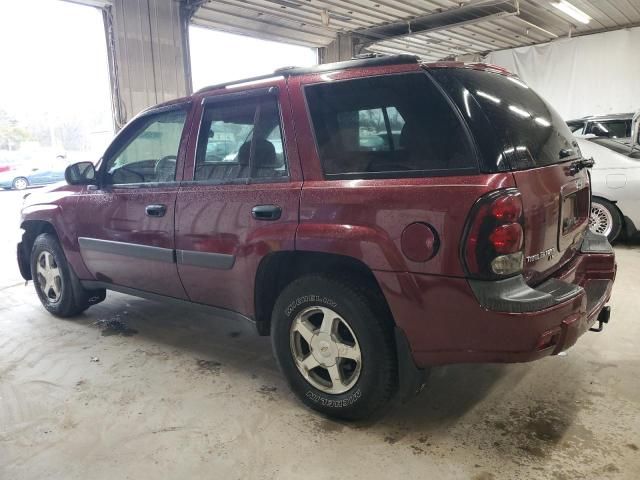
(365, 219)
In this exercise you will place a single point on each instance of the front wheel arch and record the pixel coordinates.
(32, 229)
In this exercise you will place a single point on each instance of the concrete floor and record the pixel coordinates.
(137, 389)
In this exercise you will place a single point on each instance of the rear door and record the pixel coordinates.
(242, 201)
(126, 225)
(531, 140)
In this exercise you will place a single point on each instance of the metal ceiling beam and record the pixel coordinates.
(471, 13)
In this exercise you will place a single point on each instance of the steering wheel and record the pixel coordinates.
(165, 169)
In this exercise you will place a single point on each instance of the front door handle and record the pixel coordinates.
(266, 212)
(155, 210)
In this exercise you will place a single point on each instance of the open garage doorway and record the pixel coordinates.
(55, 105)
(218, 57)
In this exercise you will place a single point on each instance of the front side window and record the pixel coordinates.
(240, 139)
(150, 154)
(396, 125)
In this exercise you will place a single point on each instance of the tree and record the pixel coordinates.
(11, 134)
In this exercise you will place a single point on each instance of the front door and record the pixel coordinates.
(126, 225)
(242, 202)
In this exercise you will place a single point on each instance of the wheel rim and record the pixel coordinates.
(600, 220)
(20, 184)
(49, 278)
(325, 350)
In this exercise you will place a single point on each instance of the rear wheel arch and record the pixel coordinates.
(617, 215)
(279, 269)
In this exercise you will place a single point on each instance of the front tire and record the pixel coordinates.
(605, 219)
(55, 283)
(335, 347)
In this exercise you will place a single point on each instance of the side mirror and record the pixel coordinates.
(81, 173)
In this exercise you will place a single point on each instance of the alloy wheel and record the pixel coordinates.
(49, 277)
(325, 350)
(600, 220)
(20, 183)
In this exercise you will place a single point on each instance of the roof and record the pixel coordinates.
(611, 116)
(366, 61)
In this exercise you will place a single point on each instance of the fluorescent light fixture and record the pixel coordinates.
(519, 111)
(488, 97)
(542, 121)
(571, 10)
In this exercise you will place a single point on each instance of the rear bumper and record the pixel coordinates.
(452, 320)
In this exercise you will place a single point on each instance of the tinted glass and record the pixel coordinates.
(150, 155)
(392, 125)
(575, 127)
(610, 128)
(240, 140)
(531, 132)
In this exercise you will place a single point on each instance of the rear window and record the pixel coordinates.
(530, 131)
(388, 126)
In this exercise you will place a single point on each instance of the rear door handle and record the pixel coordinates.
(266, 212)
(155, 210)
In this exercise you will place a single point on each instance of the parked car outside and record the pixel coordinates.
(21, 177)
(617, 125)
(465, 241)
(615, 185)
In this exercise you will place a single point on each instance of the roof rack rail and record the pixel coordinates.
(367, 60)
(361, 61)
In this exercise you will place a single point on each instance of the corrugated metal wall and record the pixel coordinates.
(148, 57)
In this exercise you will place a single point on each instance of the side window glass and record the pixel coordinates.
(240, 140)
(150, 155)
(610, 129)
(396, 125)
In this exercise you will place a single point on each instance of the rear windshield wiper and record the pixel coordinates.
(580, 164)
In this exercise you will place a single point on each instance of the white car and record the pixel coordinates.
(615, 184)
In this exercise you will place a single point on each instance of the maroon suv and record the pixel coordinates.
(375, 217)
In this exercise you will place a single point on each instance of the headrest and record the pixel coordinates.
(264, 154)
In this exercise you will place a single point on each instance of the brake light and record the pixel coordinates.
(493, 244)
(507, 238)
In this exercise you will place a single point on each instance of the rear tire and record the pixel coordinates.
(20, 183)
(605, 219)
(56, 285)
(335, 347)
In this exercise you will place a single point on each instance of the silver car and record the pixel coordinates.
(615, 182)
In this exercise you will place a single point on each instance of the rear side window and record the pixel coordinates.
(610, 128)
(240, 139)
(388, 126)
(532, 133)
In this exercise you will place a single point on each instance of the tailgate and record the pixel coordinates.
(556, 215)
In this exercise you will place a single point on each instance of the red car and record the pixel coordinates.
(375, 217)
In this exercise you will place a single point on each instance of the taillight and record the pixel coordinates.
(493, 243)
